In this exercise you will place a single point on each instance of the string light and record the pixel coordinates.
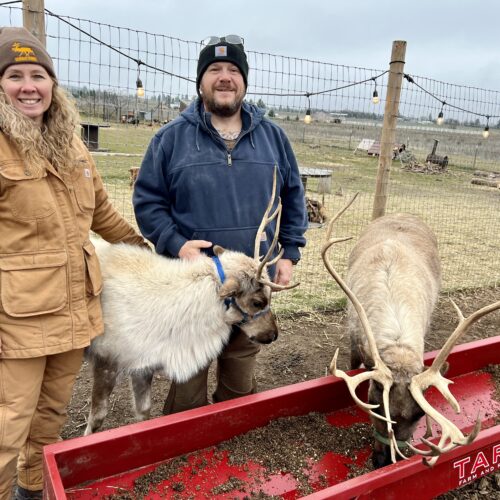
(440, 118)
(140, 88)
(408, 77)
(486, 131)
(138, 84)
(308, 117)
(375, 98)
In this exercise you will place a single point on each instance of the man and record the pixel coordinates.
(206, 179)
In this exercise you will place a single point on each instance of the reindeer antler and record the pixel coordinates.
(432, 377)
(380, 371)
(266, 219)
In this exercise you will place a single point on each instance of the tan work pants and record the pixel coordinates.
(34, 395)
(235, 377)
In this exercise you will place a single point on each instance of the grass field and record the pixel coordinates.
(465, 217)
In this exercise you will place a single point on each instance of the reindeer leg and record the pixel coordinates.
(105, 374)
(141, 386)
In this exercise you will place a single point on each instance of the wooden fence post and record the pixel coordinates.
(34, 18)
(396, 68)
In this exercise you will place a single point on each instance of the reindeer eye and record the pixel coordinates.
(259, 304)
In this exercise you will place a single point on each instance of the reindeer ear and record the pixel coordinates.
(230, 288)
(218, 250)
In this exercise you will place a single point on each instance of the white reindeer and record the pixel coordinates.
(393, 281)
(175, 315)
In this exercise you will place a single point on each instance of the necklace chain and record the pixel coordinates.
(229, 135)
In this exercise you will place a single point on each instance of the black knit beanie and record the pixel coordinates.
(221, 52)
(19, 46)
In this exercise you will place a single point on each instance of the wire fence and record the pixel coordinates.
(448, 174)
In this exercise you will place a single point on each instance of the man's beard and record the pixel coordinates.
(223, 110)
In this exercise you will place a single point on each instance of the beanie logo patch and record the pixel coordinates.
(26, 54)
(221, 51)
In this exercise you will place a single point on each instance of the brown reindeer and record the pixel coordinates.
(392, 283)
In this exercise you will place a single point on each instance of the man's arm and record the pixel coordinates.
(294, 214)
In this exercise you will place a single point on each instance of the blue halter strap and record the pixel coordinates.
(219, 268)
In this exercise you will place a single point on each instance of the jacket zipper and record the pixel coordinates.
(218, 139)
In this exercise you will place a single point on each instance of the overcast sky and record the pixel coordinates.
(455, 41)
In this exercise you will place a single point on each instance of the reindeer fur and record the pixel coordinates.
(394, 271)
(169, 314)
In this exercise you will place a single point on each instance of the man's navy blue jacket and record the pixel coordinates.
(190, 187)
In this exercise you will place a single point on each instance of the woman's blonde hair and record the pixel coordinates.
(52, 141)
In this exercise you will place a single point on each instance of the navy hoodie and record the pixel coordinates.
(190, 187)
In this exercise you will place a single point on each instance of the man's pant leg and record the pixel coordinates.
(20, 384)
(187, 395)
(236, 367)
(50, 415)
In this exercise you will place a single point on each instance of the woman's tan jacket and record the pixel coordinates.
(50, 278)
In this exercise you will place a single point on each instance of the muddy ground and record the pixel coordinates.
(302, 352)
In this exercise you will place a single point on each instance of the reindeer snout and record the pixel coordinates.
(265, 338)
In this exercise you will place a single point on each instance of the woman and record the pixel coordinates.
(51, 196)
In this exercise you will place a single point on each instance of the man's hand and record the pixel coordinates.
(191, 249)
(284, 272)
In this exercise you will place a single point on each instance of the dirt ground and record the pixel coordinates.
(302, 352)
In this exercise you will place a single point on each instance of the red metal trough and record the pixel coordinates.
(108, 463)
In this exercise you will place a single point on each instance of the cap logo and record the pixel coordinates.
(221, 51)
(26, 54)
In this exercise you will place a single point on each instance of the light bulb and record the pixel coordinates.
(486, 132)
(308, 117)
(140, 88)
(375, 98)
(440, 118)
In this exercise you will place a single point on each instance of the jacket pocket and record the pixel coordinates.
(84, 187)
(34, 284)
(28, 198)
(93, 275)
